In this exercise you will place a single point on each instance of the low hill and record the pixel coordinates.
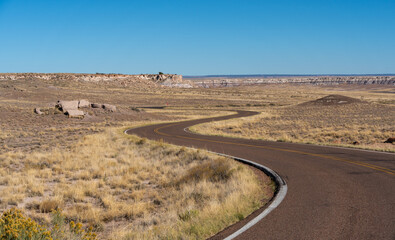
(332, 100)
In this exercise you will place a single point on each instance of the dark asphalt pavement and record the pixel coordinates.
(333, 193)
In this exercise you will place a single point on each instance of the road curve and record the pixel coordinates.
(333, 193)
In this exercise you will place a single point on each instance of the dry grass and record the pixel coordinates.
(188, 113)
(22, 130)
(136, 189)
(131, 188)
(128, 186)
(368, 124)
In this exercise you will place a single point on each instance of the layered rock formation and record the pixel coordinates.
(315, 80)
(169, 80)
(173, 80)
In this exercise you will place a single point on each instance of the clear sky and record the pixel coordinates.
(198, 37)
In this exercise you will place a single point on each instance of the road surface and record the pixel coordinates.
(333, 193)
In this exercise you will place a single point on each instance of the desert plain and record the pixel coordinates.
(126, 187)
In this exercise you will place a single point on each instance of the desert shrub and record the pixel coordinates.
(214, 171)
(187, 215)
(61, 229)
(13, 226)
(49, 205)
(141, 141)
(135, 109)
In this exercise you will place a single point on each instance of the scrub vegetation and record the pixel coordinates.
(132, 188)
(14, 225)
(125, 187)
(355, 124)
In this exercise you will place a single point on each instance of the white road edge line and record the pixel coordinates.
(278, 197)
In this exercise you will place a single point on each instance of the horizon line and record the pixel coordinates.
(217, 75)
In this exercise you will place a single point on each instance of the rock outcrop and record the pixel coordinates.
(72, 108)
(75, 113)
(174, 80)
(313, 80)
(38, 111)
(168, 80)
(65, 106)
(109, 107)
(96, 105)
(83, 103)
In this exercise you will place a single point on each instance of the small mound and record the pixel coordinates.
(331, 100)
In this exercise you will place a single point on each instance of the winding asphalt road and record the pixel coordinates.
(333, 193)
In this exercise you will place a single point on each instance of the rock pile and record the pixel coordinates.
(108, 107)
(64, 106)
(73, 108)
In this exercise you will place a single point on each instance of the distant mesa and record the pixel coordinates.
(332, 100)
(177, 81)
(231, 81)
(167, 80)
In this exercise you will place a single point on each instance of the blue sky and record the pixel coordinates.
(198, 37)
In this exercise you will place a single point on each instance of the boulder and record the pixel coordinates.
(110, 107)
(38, 111)
(75, 113)
(96, 105)
(390, 140)
(83, 103)
(67, 105)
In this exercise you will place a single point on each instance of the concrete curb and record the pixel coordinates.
(278, 197)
